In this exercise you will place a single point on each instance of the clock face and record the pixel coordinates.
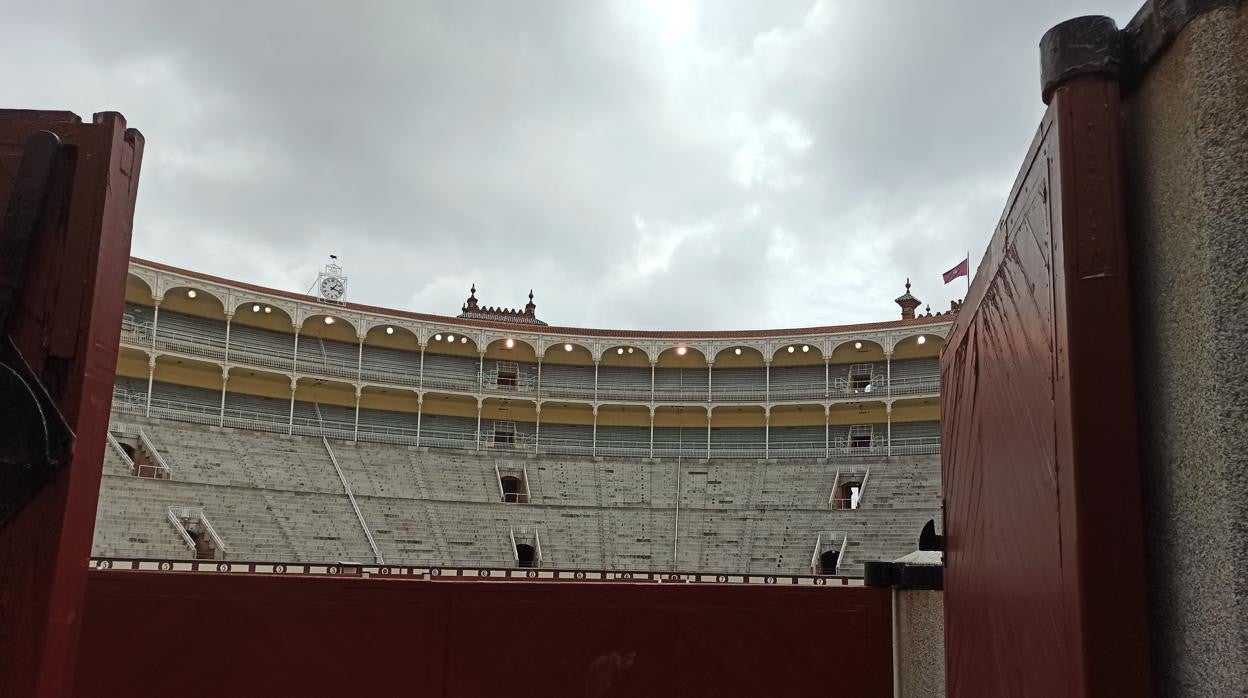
(332, 288)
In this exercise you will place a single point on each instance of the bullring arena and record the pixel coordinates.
(255, 425)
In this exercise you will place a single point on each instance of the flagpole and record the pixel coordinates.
(968, 276)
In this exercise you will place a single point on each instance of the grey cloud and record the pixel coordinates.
(741, 165)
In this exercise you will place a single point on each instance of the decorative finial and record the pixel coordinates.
(473, 290)
(907, 284)
(530, 294)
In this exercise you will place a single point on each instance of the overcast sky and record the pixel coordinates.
(656, 164)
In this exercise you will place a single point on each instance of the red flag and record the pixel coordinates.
(963, 269)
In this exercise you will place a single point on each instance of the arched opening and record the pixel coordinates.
(848, 495)
(130, 451)
(514, 490)
(526, 555)
(828, 561)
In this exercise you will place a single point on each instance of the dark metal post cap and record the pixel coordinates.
(1079, 46)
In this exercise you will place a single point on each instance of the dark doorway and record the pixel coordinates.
(526, 556)
(828, 561)
(514, 491)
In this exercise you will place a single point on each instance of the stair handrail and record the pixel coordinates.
(150, 447)
(180, 527)
(862, 486)
(346, 486)
(116, 446)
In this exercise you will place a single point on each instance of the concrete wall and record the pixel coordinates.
(1187, 148)
(919, 643)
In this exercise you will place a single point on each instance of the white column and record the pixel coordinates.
(420, 404)
(537, 430)
(356, 435)
(229, 317)
(767, 385)
(481, 374)
(420, 379)
(593, 447)
(709, 381)
(151, 358)
(225, 378)
(767, 432)
(359, 361)
(652, 429)
(151, 374)
(888, 372)
(652, 363)
(827, 431)
(294, 380)
(596, 380)
(888, 421)
(479, 403)
(538, 394)
(294, 361)
(155, 319)
(827, 378)
(709, 409)
(294, 383)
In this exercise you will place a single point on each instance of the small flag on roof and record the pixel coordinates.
(963, 269)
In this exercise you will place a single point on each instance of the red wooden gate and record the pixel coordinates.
(67, 192)
(1044, 580)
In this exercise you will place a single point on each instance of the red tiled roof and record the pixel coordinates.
(553, 329)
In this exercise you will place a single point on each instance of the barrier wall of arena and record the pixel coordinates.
(208, 634)
(1187, 195)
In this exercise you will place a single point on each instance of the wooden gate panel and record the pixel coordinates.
(1044, 582)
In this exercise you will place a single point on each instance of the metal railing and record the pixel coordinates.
(241, 351)
(177, 515)
(154, 453)
(502, 570)
(135, 403)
